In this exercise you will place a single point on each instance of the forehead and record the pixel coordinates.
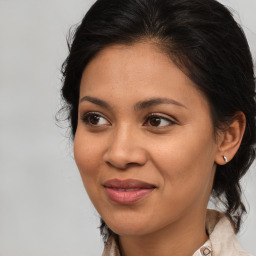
(129, 60)
(138, 70)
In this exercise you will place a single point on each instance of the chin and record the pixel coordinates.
(127, 224)
(129, 230)
(134, 225)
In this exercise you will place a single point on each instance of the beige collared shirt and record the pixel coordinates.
(222, 240)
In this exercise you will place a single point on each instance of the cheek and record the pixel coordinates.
(183, 153)
(87, 155)
(186, 162)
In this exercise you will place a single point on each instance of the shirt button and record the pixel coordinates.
(205, 251)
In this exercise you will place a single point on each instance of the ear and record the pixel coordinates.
(230, 139)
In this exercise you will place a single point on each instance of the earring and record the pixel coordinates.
(225, 159)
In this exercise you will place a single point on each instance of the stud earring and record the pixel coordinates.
(225, 159)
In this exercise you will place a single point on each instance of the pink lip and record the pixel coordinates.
(127, 191)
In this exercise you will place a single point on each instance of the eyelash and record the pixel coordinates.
(86, 119)
(158, 116)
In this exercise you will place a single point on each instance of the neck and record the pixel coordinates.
(181, 238)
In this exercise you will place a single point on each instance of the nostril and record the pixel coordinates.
(123, 166)
(122, 156)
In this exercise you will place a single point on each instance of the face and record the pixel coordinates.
(144, 143)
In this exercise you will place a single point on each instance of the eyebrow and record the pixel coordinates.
(156, 101)
(96, 101)
(138, 106)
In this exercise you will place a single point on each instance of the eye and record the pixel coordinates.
(95, 119)
(158, 121)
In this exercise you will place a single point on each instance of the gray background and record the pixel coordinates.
(44, 210)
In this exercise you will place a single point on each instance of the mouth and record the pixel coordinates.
(128, 191)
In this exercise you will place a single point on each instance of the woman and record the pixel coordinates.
(160, 96)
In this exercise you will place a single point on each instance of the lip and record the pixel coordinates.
(127, 191)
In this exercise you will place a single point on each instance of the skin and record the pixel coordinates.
(177, 152)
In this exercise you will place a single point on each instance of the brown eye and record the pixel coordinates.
(154, 121)
(158, 121)
(94, 119)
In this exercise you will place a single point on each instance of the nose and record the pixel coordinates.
(125, 149)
